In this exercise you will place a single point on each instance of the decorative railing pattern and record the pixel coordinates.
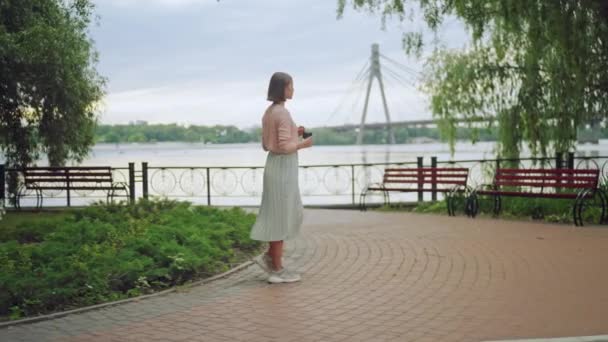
(345, 181)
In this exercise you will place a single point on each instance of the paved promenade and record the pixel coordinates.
(370, 276)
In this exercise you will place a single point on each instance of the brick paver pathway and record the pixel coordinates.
(381, 277)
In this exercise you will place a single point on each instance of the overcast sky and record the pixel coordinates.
(208, 62)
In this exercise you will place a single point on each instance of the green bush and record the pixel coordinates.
(109, 252)
(15, 226)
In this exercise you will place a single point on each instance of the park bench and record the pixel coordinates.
(449, 181)
(73, 178)
(579, 185)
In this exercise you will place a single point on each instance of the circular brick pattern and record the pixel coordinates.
(381, 277)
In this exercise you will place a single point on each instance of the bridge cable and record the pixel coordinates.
(399, 102)
(396, 102)
(356, 103)
(357, 93)
(356, 83)
(409, 79)
(402, 80)
(403, 67)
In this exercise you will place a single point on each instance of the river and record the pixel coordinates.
(319, 185)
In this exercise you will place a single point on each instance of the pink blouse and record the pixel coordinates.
(279, 132)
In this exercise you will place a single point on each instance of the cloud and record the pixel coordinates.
(206, 62)
(242, 103)
(163, 3)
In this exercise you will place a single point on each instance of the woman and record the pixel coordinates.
(280, 215)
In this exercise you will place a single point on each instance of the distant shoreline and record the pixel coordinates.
(143, 132)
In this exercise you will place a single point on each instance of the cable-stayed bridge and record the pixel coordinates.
(389, 72)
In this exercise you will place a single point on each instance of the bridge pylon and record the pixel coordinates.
(375, 73)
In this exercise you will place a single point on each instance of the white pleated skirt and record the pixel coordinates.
(281, 213)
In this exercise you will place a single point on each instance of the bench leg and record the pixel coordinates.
(575, 211)
(589, 200)
(448, 200)
(363, 197)
(387, 199)
(475, 205)
(604, 199)
(18, 200)
(469, 209)
(362, 206)
(497, 205)
(39, 198)
(112, 193)
(472, 205)
(22, 191)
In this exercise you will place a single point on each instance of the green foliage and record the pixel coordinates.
(171, 132)
(49, 84)
(538, 66)
(27, 227)
(49, 88)
(108, 252)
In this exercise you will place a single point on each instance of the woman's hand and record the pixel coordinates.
(300, 131)
(305, 143)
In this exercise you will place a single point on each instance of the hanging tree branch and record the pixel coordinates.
(531, 61)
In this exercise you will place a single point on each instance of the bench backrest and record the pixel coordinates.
(448, 177)
(547, 178)
(61, 177)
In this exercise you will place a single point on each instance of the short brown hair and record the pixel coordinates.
(276, 89)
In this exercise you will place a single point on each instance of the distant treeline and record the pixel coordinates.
(230, 134)
(173, 132)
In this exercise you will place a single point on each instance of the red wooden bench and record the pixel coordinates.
(428, 179)
(579, 185)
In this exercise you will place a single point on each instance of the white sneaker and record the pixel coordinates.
(264, 261)
(283, 276)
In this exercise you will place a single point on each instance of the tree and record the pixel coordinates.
(539, 66)
(49, 87)
(49, 84)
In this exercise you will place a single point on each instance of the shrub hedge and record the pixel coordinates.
(108, 252)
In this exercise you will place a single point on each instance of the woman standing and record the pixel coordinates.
(280, 215)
